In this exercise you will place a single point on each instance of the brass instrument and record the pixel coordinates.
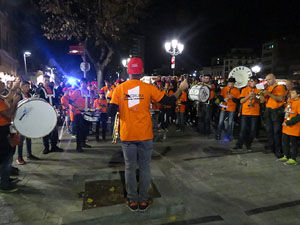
(257, 95)
(251, 99)
(223, 104)
(116, 129)
(288, 111)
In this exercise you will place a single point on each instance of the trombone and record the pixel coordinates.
(116, 129)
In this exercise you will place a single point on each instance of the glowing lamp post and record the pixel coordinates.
(125, 62)
(174, 48)
(26, 54)
(256, 69)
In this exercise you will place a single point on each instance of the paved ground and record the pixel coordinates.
(200, 180)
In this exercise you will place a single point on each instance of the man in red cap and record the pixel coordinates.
(132, 99)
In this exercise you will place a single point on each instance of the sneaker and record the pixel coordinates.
(86, 146)
(249, 149)
(46, 151)
(218, 137)
(133, 206)
(14, 171)
(143, 206)
(283, 159)
(20, 161)
(56, 149)
(14, 180)
(291, 162)
(10, 189)
(32, 157)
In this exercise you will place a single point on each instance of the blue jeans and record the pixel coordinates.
(247, 122)
(20, 146)
(181, 120)
(223, 115)
(137, 153)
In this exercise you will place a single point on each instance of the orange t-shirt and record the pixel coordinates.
(133, 98)
(110, 94)
(65, 102)
(246, 110)
(3, 119)
(230, 103)
(293, 130)
(183, 98)
(100, 104)
(105, 89)
(78, 100)
(275, 90)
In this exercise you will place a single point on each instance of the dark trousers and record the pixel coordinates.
(248, 130)
(274, 129)
(290, 151)
(20, 146)
(82, 129)
(165, 117)
(103, 122)
(6, 154)
(53, 137)
(204, 119)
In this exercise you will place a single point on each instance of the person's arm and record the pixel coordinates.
(170, 100)
(112, 109)
(10, 112)
(277, 98)
(293, 121)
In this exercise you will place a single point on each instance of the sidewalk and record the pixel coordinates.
(200, 182)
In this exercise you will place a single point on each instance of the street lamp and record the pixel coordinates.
(125, 62)
(174, 48)
(256, 69)
(26, 54)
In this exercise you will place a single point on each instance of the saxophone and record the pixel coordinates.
(116, 129)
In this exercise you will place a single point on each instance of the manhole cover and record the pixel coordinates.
(108, 192)
(212, 150)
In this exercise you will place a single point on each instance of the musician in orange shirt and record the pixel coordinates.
(230, 96)
(291, 128)
(132, 99)
(250, 114)
(7, 112)
(274, 98)
(101, 106)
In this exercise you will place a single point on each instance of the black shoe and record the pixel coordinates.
(133, 206)
(278, 155)
(56, 149)
(46, 151)
(97, 139)
(32, 157)
(86, 146)
(218, 137)
(143, 206)
(249, 149)
(79, 149)
(14, 171)
(235, 148)
(9, 189)
(14, 180)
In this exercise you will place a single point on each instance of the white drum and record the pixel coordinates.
(199, 93)
(91, 116)
(35, 118)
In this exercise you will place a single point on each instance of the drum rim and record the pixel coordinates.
(200, 87)
(28, 100)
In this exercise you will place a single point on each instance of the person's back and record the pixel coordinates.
(134, 98)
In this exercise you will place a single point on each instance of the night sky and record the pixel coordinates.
(207, 28)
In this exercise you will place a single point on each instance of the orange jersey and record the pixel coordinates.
(246, 110)
(183, 98)
(133, 98)
(275, 90)
(105, 89)
(110, 94)
(293, 130)
(78, 100)
(100, 104)
(3, 107)
(230, 103)
(65, 102)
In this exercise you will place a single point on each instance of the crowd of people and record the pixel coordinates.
(144, 108)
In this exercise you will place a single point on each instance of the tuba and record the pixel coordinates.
(241, 75)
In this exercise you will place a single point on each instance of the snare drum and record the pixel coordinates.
(199, 93)
(35, 118)
(91, 116)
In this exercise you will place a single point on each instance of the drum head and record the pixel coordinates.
(200, 93)
(35, 118)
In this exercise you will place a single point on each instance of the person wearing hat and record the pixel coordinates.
(230, 97)
(249, 115)
(132, 99)
(100, 105)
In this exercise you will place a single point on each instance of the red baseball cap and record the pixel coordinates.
(135, 66)
(101, 92)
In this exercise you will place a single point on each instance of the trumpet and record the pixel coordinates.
(257, 95)
(116, 129)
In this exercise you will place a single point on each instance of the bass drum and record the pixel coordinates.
(199, 93)
(35, 118)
